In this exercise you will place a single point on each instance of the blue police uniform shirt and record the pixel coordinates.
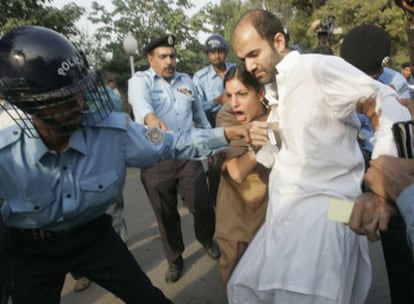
(394, 78)
(175, 102)
(410, 83)
(366, 133)
(56, 191)
(398, 82)
(116, 100)
(209, 85)
(405, 206)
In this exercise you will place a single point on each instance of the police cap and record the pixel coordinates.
(167, 40)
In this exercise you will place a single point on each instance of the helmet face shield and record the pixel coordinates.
(62, 112)
(48, 83)
(217, 50)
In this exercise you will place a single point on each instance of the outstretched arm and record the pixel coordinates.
(388, 176)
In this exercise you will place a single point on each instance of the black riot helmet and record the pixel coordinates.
(43, 76)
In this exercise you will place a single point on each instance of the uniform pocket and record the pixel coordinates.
(33, 211)
(99, 189)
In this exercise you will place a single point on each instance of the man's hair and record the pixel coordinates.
(367, 47)
(265, 23)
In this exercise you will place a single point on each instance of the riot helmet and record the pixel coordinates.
(44, 78)
(215, 43)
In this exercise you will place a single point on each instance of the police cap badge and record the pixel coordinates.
(167, 40)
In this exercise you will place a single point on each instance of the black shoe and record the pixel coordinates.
(174, 272)
(213, 250)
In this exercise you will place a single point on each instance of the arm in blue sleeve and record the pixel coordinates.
(199, 115)
(139, 96)
(405, 203)
(115, 99)
(207, 104)
(188, 144)
(198, 143)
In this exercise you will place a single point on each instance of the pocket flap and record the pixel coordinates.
(33, 204)
(99, 183)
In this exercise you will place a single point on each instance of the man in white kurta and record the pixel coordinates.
(299, 256)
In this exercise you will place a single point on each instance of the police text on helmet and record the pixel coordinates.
(68, 64)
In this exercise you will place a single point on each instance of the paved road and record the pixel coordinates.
(200, 283)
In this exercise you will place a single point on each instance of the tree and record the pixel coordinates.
(382, 13)
(220, 19)
(144, 18)
(303, 19)
(36, 12)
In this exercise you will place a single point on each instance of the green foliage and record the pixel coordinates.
(147, 18)
(38, 12)
(220, 19)
(382, 13)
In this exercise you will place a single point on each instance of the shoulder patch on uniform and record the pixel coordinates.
(155, 136)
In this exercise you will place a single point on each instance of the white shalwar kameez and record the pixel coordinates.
(299, 256)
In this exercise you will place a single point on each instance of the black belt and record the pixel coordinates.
(44, 235)
(39, 234)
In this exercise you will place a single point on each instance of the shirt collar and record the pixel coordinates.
(288, 62)
(154, 75)
(212, 72)
(38, 149)
(77, 141)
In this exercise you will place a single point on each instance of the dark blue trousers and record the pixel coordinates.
(163, 182)
(95, 251)
(5, 275)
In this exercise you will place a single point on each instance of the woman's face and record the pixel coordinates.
(245, 101)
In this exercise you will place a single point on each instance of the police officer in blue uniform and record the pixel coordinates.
(63, 163)
(209, 80)
(162, 97)
(210, 90)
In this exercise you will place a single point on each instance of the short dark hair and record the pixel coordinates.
(265, 23)
(406, 65)
(366, 47)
